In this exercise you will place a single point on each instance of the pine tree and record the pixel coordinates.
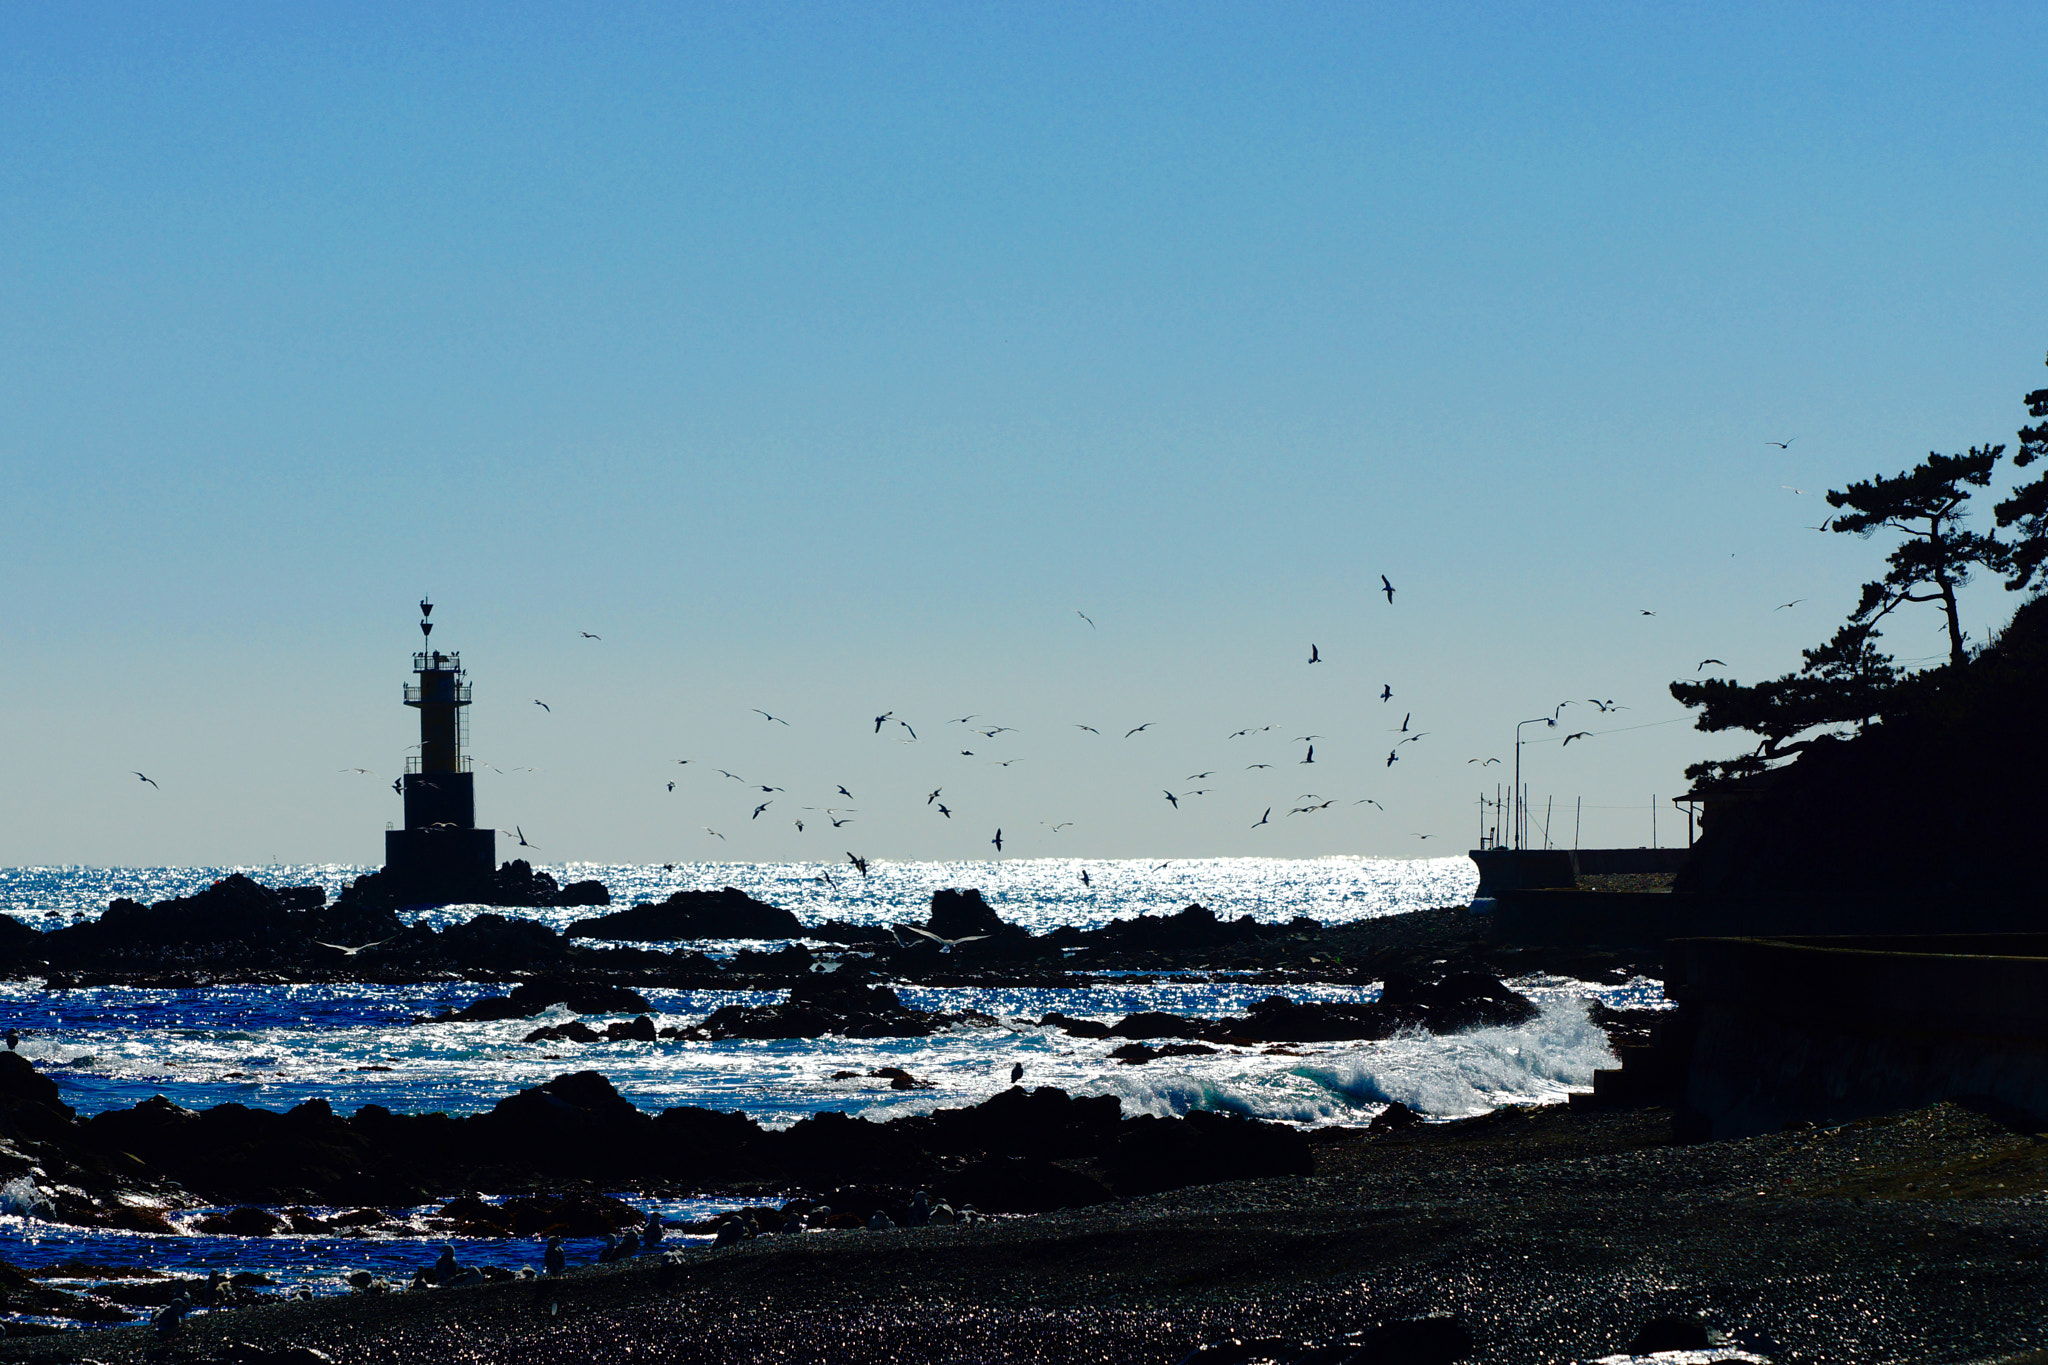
(2027, 508)
(1926, 504)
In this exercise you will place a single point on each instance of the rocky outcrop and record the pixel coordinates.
(1460, 1001)
(835, 1003)
(532, 997)
(1194, 927)
(729, 913)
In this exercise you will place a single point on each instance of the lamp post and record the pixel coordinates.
(1516, 795)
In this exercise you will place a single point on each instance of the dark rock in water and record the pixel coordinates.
(729, 913)
(956, 914)
(1672, 1332)
(532, 997)
(840, 931)
(790, 960)
(1462, 1000)
(1276, 1019)
(485, 941)
(1022, 1184)
(638, 1030)
(242, 1222)
(1394, 1117)
(1158, 1024)
(833, 1004)
(575, 1031)
(590, 892)
(1079, 1028)
(899, 1079)
(1194, 927)
(1204, 1148)
(1046, 1122)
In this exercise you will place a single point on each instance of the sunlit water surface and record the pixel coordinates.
(277, 1046)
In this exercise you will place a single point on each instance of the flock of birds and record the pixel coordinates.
(1307, 803)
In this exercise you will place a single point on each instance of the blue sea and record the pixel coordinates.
(278, 1046)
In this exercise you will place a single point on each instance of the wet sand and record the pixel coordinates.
(1555, 1233)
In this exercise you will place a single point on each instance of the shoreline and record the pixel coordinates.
(1554, 1233)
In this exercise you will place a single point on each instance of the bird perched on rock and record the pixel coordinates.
(171, 1316)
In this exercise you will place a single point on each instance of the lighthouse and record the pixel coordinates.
(440, 849)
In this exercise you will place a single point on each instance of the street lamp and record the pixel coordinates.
(1517, 793)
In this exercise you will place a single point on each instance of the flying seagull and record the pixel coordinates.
(886, 715)
(1084, 616)
(1311, 754)
(943, 811)
(859, 862)
(906, 725)
(1315, 655)
(759, 712)
(1705, 662)
(1393, 757)
(671, 786)
(1388, 589)
(543, 706)
(1089, 728)
(758, 809)
(1263, 819)
(998, 841)
(845, 793)
(1174, 799)
(347, 951)
(1793, 603)
(1782, 445)
(934, 796)
(1582, 734)
(948, 944)
(1146, 726)
(588, 636)
(150, 780)
(520, 835)
(1645, 612)
(1386, 692)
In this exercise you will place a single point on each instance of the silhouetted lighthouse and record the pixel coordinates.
(440, 846)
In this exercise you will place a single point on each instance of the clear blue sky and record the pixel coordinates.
(829, 359)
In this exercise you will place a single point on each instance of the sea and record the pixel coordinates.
(278, 1046)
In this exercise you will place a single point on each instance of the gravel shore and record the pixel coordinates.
(1554, 1233)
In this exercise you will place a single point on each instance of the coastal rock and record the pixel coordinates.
(833, 1004)
(532, 997)
(728, 913)
(1022, 1184)
(1671, 1332)
(1204, 1148)
(1196, 926)
(1394, 1117)
(956, 914)
(1045, 1122)
(242, 1222)
(1462, 1000)
(590, 892)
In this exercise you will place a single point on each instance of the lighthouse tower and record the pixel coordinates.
(440, 848)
